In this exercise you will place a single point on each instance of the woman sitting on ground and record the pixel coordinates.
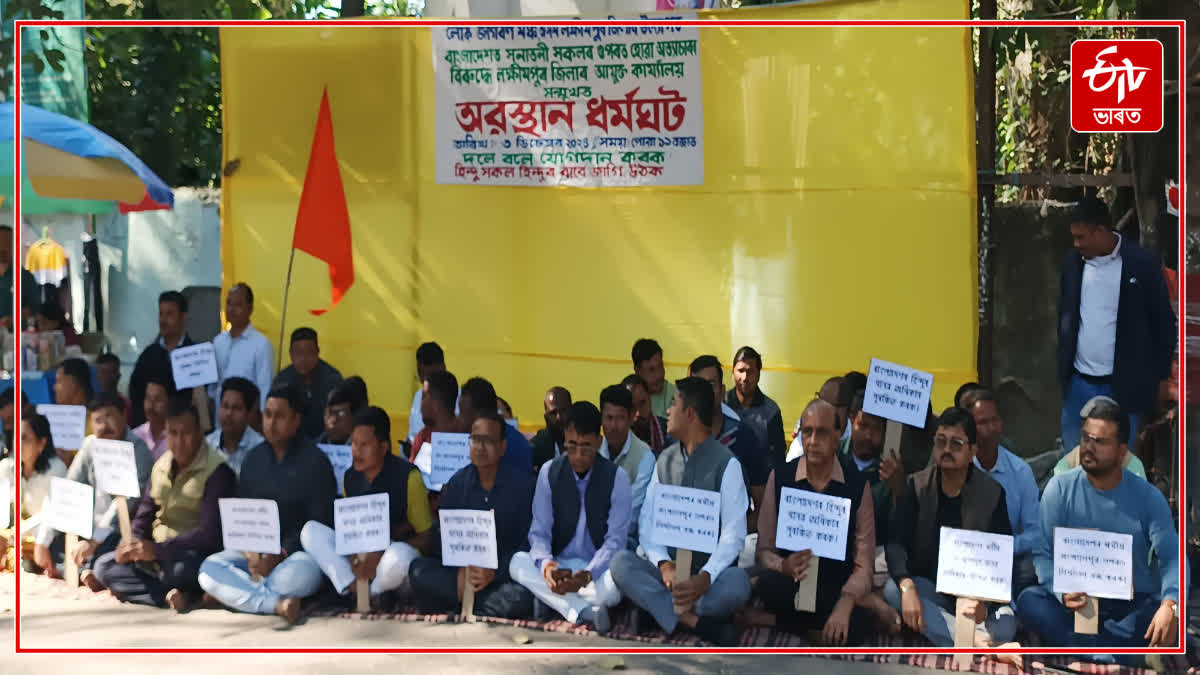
(39, 463)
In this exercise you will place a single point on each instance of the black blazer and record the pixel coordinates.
(1146, 327)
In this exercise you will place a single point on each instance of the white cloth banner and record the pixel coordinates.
(594, 106)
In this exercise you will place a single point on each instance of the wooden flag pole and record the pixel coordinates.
(683, 572)
(287, 286)
(72, 570)
(362, 588)
(806, 593)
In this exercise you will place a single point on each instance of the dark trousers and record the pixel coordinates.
(1123, 623)
(93, 302)
(436, 590)
(778, 593)
(144, 584)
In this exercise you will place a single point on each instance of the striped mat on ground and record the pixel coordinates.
(751, 637)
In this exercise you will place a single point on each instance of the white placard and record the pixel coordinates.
(194, 366)
(71, 506)
(341, 457)
(810, 521)
(686, 518)
(1093, 562)
(469, 538)
(362, 524)
(594, 106)
(250, 525)
(67, 424)
(7, 505)
(975, 564)
(116, 467)
(897, 393)
(450, 453)
(424, 463)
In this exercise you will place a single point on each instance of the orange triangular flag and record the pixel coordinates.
(323, 220)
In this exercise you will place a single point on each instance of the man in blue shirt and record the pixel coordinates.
(478, 398)
(1014, 475)
(486, 484)
(581, 512)
(1100, 494)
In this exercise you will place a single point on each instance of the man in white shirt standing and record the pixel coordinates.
(1116, 329)
(242, 351)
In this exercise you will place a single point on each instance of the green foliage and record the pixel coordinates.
(1033, 130)
(39, 59)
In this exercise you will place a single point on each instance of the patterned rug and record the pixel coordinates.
(751, 637)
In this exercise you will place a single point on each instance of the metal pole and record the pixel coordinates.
(287, 285)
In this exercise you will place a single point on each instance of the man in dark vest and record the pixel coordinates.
(841, 584)
(581, 513)
(951, 492)
(716, 588)
(376, 471)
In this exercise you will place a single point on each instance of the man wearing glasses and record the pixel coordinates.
(484, 484)
(1104, 495)
(951, 492)
(339, 416)
(581, 515)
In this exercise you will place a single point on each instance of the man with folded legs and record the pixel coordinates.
(716, 588)
(487, 483)
(952, 492)
(1103, 495)
(581, 512)
(290, 470)
(376, 471)
(841, 584)
(178, 521)
(106, 415)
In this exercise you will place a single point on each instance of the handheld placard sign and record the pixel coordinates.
(1097, 563)
(687, 520)
(469, 540)
(362, 525)
(810, 521)
(901, 396)
(973, 566)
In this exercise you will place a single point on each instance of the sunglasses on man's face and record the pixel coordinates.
(955, 444)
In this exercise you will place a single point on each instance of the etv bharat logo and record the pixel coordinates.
(1116, 85)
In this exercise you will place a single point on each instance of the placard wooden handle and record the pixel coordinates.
(1087, 618)
(806, 592)
(468, 602)
(683, 572)
(71, 573)
(123, 518)
(362, 588)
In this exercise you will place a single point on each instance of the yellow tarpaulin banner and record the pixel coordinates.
(836, 222)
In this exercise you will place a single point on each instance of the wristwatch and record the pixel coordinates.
(907, 585)
(1174, 608)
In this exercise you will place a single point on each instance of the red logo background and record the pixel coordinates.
(1141, 109)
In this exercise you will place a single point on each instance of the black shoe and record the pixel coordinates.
(640, 621)
(717, 631)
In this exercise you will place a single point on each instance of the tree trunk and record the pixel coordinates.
(352, 8)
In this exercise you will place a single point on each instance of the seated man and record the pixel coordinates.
(478, 397)
(580, 520)
(376, 471)
(293, 472)
(484, 484)
(153, 431)
(438, 400)
(1102, 495)
(647, 426)
(616, 415)
(838, 617)
(1071, 459)
(1014, 475)
(730, 432)
(861, 456)
(716, 588)
(340, 408)
(547, 444)
(234, 438)
(178, 521)
(313, 375)
(73, 386)
(949, 493)
(106, 416)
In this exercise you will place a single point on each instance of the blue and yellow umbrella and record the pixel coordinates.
(72, 167)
